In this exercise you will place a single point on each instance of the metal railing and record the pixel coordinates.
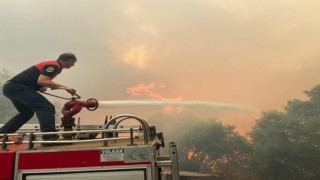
(118, 119)
(32, 137)
(110, 128)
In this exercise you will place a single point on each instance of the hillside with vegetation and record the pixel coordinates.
(7, 110)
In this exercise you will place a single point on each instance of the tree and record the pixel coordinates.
(205, 146)
(286, 145)
(211, 147)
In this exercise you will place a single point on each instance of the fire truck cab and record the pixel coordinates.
(114, 150)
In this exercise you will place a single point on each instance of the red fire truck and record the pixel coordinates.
(115, 150)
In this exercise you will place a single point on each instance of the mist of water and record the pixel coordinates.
(148, 103)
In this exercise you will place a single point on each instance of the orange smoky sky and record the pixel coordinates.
(146, 90)
(256, 54)
(149, 91)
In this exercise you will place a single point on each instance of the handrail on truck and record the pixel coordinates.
(32, 137)
(124, 117)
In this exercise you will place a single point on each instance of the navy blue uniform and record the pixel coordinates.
(22, 91)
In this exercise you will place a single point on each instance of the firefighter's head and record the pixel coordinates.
(67, 60)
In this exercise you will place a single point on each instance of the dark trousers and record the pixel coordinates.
(27, 101)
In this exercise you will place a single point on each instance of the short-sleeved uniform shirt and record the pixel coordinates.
(30, 76)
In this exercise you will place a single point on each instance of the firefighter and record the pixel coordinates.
(23, 90)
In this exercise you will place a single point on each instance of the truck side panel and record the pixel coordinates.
(123, 163)
(64, 159)
(6, 165)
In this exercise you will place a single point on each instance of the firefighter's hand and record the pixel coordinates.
(43, 89)
(71, 91)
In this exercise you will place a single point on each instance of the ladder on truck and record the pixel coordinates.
(114, 150)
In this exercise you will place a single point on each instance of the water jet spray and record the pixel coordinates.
(194, 103)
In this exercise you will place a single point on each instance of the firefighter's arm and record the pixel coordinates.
(46, 81)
